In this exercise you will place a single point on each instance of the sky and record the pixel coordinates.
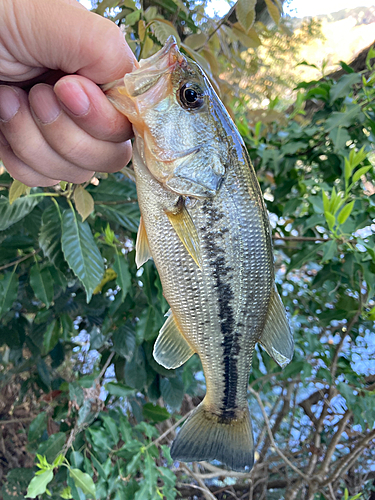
(296, 8)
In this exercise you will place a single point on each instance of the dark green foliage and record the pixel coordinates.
(72, 304)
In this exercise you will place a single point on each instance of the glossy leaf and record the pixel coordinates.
(39, 484)
(83, 481)
(81, 252)
(8, 291)
(121, 268)
(42, 284)
(10, 214)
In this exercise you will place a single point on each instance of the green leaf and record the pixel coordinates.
(330, 220)
(16, 190)
(344, 119)
(329, 250)
(124, 341)
(39, 484)
(111, 428)
(123, 279)
(83, 481)
(172, 391)
(339, 136)
(120, 390)
(81, 252)
(50, 236)
(83, 201)
(155, 413)
(305, 255)
(42, 284)
(361, 171)
(51, 336)
(343, 86)
(135, 370)
(8, 291)
(245, 13)
(52, 447)
(10, 214)
(325, 202)
(345, 212)
(37, 427)
(126, 215)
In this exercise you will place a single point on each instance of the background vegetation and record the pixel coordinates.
(83, 402)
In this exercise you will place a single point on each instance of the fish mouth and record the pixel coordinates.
(152, 69)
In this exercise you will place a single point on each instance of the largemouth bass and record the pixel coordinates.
(205, 225)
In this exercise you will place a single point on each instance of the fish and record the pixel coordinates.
(205, 224)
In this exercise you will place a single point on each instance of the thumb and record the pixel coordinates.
(61, 35)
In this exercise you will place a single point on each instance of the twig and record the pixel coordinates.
(334, 441)
(278, 451)
(162, 436)
(299, 238)
(16, 420)
(119, 202)
(21, 259)
(207, 493)
(107, 363)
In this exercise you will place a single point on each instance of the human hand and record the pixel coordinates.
(68, 131)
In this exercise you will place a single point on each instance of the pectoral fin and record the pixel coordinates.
(142, 250)
(184, 226)
(277, 338)
(171, 349)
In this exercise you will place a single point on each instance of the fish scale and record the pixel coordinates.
(205, 225)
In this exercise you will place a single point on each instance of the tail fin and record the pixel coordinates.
(205, 436)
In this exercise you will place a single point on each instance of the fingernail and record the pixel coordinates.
(72, 95)
(44, 103)
(9, 103)
(3, 140)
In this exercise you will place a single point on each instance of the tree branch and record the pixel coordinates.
(278, 451)
(21, 259)
(334, 441)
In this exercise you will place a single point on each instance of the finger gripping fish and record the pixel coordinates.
(205, 225)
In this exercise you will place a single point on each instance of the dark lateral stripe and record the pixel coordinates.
(225, 295)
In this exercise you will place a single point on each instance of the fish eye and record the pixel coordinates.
(191, 96)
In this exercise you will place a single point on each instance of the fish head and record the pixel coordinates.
(178, 122)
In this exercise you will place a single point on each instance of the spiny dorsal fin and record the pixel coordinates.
(142, 250)
(171, 349)
(184, 226)
(277, 338)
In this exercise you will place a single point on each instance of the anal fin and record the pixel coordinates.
(142, 249)
(277, 338)
(171, 349)
(184, 226)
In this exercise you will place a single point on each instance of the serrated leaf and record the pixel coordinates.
(50, 235)
(10, 214)
(163, 29)
(83, 481)
(84, 202)
(135, 370)
(8, 292)
(123, 279)
(361, 171)
(245, 13)
(124, 341)
(42, 284)
(39, 484)
(16, 190)
(345, 212)
(273, 10)
(80, 251)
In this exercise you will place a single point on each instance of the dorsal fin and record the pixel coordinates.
(277, 338)
(184, 226)
(171, 350)
(142, 249)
